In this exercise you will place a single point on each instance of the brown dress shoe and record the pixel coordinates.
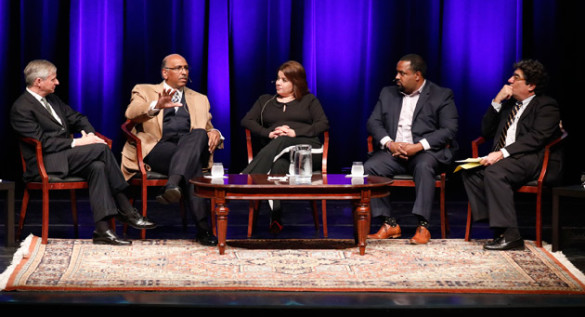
(386, 231)
(422, 236)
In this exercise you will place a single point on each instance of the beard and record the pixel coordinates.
(400, 86)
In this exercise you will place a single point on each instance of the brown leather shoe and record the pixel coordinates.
(422, 236)
(386, 231)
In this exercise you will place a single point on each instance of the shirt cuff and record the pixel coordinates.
(504, 152)
(497, 106)
(383, 142)
(425, 144)
(151, 111)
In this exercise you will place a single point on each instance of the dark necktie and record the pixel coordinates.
(502, 142)
(46, 105)
(50, 109)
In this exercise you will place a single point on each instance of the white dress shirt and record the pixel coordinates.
(404, 131)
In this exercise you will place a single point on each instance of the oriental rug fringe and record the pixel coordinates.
(446, 266)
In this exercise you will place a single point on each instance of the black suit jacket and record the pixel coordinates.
(537, 126)
(29, 118)
(435, 119)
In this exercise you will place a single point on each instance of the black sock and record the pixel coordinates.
(391, 221)
(102, 226)
(422, 221)
(498, 232)
(511, 234)
(123, 203)
(276, 211)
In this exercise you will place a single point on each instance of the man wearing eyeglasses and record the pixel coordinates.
(173, 123)
(521, 120)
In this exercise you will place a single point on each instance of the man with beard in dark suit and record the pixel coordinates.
(39, 114)
(413, 125)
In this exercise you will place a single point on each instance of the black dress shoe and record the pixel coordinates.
(108, 237)
(206, 238)
(135, 220)
(501, 244)
(171, 194)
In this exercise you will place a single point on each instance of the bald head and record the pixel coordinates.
(175, 71)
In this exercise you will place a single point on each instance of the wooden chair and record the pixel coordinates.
(46, 183)
(253, 209)
(407, 180)
(536, 186)
(146, 178)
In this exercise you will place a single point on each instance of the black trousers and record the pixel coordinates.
(490, 190)
(423, 167)
(97, 164)
(264, 163)
(184, 158)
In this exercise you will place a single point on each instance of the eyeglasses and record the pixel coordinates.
(517, 77)
(179, 68)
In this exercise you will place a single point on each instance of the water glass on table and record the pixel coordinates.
(357, 169)
(217, 170)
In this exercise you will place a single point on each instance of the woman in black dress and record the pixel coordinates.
(292, 116)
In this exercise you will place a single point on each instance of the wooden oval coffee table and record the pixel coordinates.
(280, 187)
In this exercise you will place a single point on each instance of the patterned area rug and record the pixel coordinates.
(448, 266)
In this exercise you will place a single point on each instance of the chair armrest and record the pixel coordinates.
(325, 152)
(134, 140)
(39, 155)
(370, 145)
(249, 145)
(127, 130)
(105, 138)
(475, 146)
(545, 160)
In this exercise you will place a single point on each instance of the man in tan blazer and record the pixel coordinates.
(178, 139)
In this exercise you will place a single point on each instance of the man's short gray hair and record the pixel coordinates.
(38, 68)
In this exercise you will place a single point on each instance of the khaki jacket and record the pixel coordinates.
(149, 129)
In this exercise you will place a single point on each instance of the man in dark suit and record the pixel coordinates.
(177, 138)
(414, 125)
(41, 115)
(521, 120)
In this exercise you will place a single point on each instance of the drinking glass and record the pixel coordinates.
(217, 170)
(357, 169)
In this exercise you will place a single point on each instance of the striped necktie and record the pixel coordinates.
(502, 142)
(50, 109)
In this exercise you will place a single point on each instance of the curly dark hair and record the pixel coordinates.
(534, 73)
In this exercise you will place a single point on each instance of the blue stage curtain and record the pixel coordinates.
(349, 48)
(95, 62)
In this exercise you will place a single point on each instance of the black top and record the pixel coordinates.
(305, 116)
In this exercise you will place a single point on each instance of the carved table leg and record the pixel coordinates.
(362, 215)
(221, 211)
